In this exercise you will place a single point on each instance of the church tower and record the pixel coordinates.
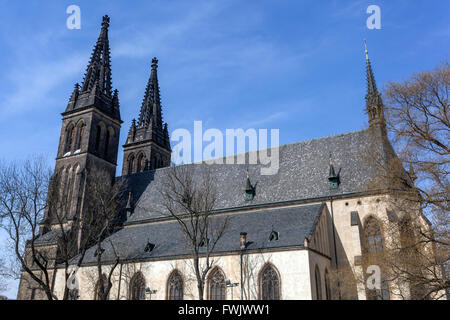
(90, 128)
(148, 144)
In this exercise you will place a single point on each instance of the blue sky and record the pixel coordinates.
(293, 65)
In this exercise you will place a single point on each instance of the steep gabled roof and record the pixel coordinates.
(293, 225)
(303, 174)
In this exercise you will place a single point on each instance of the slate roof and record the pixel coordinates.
(303, 174)
(293, 224)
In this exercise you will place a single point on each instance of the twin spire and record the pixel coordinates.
(96, 89)
(151, 104)
(98, 72)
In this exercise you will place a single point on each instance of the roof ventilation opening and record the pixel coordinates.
(149, 247)
(274, 236)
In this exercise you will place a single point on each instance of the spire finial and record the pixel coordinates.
(154, 63)
(151, 104)
(365, 49)
(331, 160)
(105, 21)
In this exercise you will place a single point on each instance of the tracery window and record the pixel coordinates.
(137, 287)
(373, 246)
(270, 284)
(175, 286)
(217, 288)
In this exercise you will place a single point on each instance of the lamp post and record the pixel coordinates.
(243, 245)
(228, 284)
(150, 292)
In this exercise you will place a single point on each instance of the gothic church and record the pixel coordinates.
(293, 228)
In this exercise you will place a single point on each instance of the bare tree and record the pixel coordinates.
(189, 196)
(23, 190)
(417, 116)
(33, 203)
(105, 196)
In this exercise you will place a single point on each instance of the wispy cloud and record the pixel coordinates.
(32, 84)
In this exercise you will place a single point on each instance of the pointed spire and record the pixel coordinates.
(371, 85)
(374, 104)
(151, 104)
(99, 67)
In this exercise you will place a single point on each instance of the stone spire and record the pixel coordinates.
(99, 67)
(374, 103)
(96, 90)
(151, 105)
(148, 143)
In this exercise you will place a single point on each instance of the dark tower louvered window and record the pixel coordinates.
(137, 287)
(175, 286)
(270, 284)
(140, 163)
(217, 289)
(80, 136)
(108, 137)
(130, 164)
(70, 137)
(98, 138)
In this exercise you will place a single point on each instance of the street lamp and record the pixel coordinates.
(228, 284)
(150, 292)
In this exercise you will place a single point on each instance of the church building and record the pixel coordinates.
(287, 232)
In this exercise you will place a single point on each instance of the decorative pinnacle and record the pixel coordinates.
(331, 160)
(154, 63)
(105, 21)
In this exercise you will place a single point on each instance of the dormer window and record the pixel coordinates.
(274, 236)
(149, 247)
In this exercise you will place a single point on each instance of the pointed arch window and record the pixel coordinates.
(107, 141)
(217, 288)
(140, 163)
(130, 163)
(137, 287)
(70, 138)
(373, 246)
(270, 284)
(318, 284)
(80, 136)
(175, 286)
